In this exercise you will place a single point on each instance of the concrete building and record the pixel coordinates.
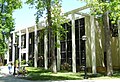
(33, 44)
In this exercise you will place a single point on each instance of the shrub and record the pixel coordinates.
(30, 63)
(23, 62)
(66, 66)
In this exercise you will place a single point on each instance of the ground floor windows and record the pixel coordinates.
(66, 47)
(66, 44)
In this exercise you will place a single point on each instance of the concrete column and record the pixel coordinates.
(13, 48)
(58, 54)
(36, 47)
(73, 45)
(20, 47)
(119, 40)
(93, 52)
(45, 51)
(27, 44)
(7, 51)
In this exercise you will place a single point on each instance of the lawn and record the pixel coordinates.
(42, 74)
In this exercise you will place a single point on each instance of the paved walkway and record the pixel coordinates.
(5, 77)
(4, 69)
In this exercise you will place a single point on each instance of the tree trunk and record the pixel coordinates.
(51, 37)
(108, 44)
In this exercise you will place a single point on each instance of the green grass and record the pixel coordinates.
(116, 75)
(42, 74)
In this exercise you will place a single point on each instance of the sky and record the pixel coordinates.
(24, 17)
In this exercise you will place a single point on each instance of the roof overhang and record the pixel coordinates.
(42, 24)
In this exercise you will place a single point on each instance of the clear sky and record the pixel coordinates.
(25, 17)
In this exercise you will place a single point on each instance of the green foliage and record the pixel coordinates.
(23, 62)
(58, 19)
(57, 16)
(99, 7)
(22, 71)
(6, 20)
(30, 63)
(17, 61)
(115, 10)
(39, 5)
(66, 67)
(42, 74)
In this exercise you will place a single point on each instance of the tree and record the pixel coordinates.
(108, 10)
(6, 21)
(54, 21)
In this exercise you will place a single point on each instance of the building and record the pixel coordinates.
(33, 44)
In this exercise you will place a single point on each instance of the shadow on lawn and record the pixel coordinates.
(116, 74)
(37, 70)
(42, 74)
(49, 77)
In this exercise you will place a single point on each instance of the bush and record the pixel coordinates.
(23, 62)
(22, 71)
(30, 63)
(66, 66)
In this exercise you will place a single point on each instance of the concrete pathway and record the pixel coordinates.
(4, 69)
(14, 79)
(6, 77)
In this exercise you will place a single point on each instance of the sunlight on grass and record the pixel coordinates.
(42, 74)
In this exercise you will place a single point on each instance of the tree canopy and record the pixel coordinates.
(57, 15)
(54, 20)
(7, 8)
(99, 7)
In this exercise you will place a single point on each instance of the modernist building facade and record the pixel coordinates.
(33, 44)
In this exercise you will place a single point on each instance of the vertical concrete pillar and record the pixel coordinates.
(119, 40)
(45, 51)
(20, 47)
(7, 51)
(58, 54)
(73, 45)
(88, 41)
(36, 46)
(93, 52)
(13, 48)
(27, 44)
